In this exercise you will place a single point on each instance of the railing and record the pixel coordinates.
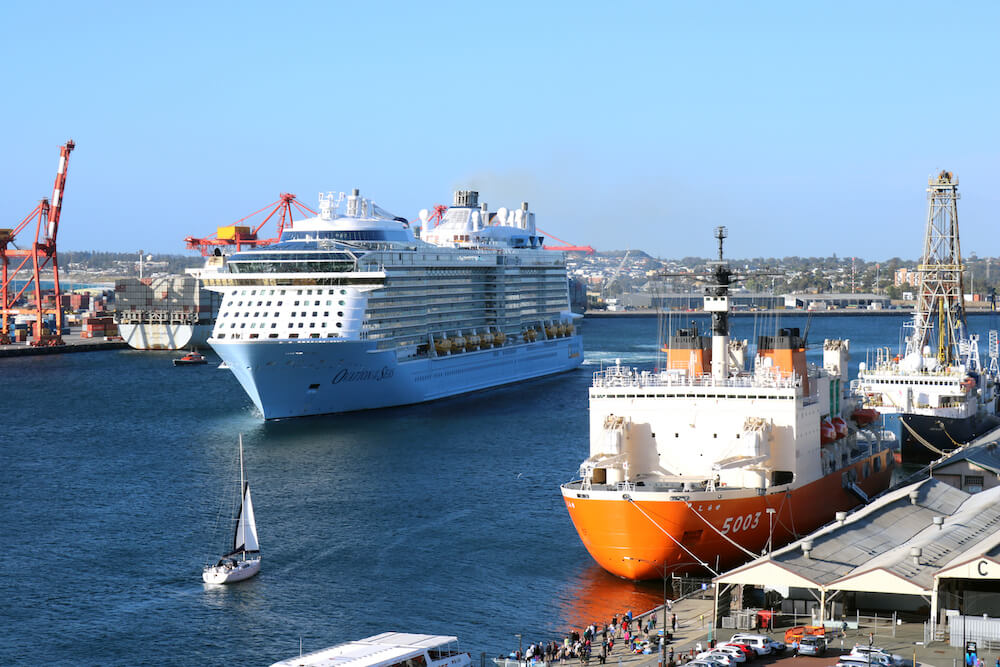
(619, 376)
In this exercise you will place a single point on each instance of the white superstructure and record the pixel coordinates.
(351, 310)
(389, 649)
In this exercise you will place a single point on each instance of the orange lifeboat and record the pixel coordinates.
(840, 426)
(827, 433)
(864, 416)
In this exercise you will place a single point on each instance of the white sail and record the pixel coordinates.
(246, 527)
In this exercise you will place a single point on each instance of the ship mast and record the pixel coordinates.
(717, 303)
(941, 293)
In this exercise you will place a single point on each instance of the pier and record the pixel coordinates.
(74, 343)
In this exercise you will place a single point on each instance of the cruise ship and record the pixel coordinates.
(704, 464)
(936, 384)
(352, 310)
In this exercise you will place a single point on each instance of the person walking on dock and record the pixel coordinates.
(673, 622)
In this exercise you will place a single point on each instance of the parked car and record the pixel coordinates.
(776, 646)
(759, 643)
(737, 654)
(812, 645)
(745, 648)
(883, 656)
(715, 658)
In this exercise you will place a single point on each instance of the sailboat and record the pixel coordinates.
(243, 560)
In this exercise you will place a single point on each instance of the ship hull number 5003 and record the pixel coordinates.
(736, 524)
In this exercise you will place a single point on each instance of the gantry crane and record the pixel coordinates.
(237, 236)
(40, 254)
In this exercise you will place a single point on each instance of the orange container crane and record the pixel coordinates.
(40, 254)
(237, 236)
(566, 247)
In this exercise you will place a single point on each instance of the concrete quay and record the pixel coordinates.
(694, 616)
(74, 343)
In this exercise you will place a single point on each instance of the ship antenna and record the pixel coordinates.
(721, 233)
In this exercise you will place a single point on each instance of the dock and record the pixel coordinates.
(74, 343)
(693, 630)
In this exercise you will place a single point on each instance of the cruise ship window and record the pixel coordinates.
(221, 335)
(243, 325)
(268, 303)
(256, 314)
(328, 302)
(301, 324)
(260, 303)
(296, 303)
(295, 335)
(299, 292)
(274, 325)
(330, 291)
(315, 335)
(240, 303)
(253, 292)
(279, 303)
(343, 291)
(340, 313)
(314, 313)
(272, 335)
(312, 325)
(340, 303)
(339, 325)
(230, 303)
(326, 313)
(323, 324)
(282, 292)
(254, 335)
(233, 325)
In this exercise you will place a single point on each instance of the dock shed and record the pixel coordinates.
(928, 539)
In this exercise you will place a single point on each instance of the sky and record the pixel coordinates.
(807, 128)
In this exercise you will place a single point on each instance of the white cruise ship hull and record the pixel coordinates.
(165, 336)
(296, 378)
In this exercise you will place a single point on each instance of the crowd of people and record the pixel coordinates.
(636, 635)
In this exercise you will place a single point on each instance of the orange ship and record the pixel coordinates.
(705, 464)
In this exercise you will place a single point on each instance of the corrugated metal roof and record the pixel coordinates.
(880, 536)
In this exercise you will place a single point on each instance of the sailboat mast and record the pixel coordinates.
(240, 526)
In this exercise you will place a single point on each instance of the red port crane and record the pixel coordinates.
(40, 254)
(238, 236)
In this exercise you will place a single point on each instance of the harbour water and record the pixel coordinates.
(440, 518)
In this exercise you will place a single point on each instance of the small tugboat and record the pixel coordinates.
(191, 359)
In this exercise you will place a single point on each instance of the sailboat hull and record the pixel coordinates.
(221, 574)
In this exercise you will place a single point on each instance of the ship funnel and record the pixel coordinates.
(938, 521)
(841, 517)
(914, 497)
(915, 553)
(807, 546)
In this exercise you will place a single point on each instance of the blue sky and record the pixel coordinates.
(808, 128)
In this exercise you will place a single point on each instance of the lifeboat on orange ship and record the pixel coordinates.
(864, 416)
(827, 432)
(840, 426)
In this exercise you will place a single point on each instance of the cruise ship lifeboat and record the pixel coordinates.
(570, 329)
(472, 342)
(530, 335)
(457, 343)
(442, 345)
(551, 331)
(498, 338)
(840, 426)
(827, 433)
(864, 416)
(486, 340)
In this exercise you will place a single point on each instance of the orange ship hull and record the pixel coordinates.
(626, 542)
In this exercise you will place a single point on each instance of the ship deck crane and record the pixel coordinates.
(39, 253)
(566, 247)
(238, 236)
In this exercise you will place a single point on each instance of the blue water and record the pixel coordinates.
(442, 518)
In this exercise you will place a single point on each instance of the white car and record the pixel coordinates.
(716, 656)
(759, 643)
(736, 654)
(879, 655)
